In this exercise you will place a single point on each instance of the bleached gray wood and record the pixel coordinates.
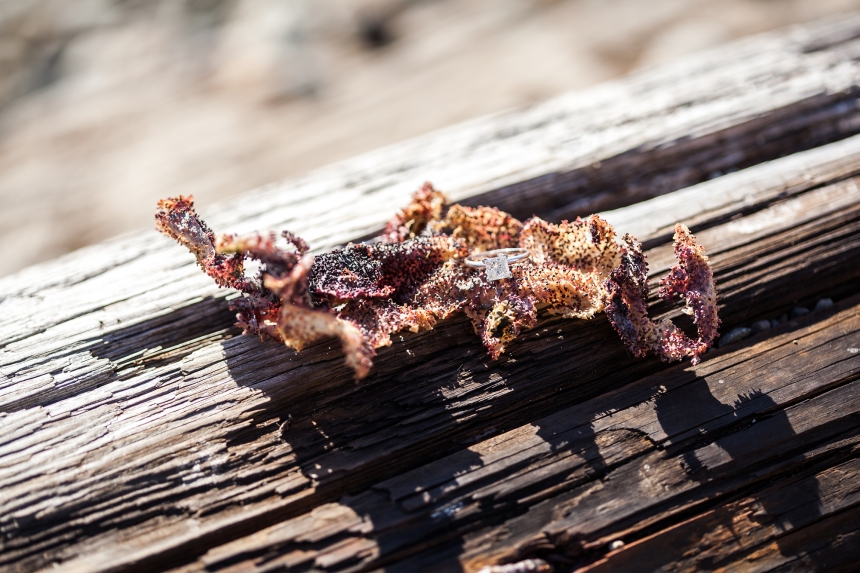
(733, 193)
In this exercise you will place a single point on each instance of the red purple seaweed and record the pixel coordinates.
(415, 276)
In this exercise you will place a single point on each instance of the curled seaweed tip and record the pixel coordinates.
(363, 293)
(691, 280)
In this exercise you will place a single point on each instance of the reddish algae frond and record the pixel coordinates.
(415, 276)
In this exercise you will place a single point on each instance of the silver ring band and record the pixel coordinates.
(518, 255)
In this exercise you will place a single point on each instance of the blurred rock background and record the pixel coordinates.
(107, 105)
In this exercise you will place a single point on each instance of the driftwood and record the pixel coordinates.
(141, 433)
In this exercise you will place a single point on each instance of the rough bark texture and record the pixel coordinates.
(141, 433)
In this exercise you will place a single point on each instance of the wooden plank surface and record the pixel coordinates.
(140, 433)
(601, 470)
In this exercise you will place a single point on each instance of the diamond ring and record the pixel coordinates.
(496, 262)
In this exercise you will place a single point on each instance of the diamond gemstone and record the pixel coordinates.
(497, 268)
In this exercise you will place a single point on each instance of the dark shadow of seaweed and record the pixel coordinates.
(428, 398)
(755, 437)
(347, 436)
(419, 405)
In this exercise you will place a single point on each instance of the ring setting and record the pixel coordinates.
(496, 262)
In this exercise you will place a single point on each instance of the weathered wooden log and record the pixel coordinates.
(141, 433)
(568, 485)
(510, 474)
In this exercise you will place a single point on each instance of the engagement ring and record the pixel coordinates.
(496, 262)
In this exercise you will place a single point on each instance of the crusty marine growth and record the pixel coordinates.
(415, 276)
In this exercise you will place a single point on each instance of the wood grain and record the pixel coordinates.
(567, 485)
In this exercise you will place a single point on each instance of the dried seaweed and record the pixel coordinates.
(415, 276)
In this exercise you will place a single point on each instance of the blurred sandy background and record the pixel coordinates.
(107, 105)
